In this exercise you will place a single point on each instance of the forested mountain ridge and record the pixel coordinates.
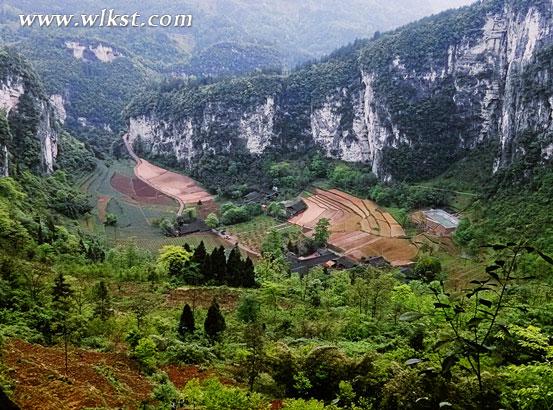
(410, 102)
(93, 72)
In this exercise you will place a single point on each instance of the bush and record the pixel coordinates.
(189, 353)
(428, 267)
(146, 354)
(211, 394)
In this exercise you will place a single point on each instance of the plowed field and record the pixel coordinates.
(180, 187)
(359, 228)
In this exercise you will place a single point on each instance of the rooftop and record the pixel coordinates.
(443, 218)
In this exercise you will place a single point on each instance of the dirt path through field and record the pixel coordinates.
(183, 189)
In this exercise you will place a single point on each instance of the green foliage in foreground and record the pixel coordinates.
(365, 338)
(516, 207)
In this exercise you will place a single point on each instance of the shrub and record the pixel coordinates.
(189, 353)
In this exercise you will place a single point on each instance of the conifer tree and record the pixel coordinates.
(214, 322)
(248, 274)
(200, 259)
(186, 323)
(219, 265)
(103, 302)
(61, 292)
(61, 298)
(235, 268)
(199, 254)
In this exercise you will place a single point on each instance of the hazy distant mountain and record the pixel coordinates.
(299, 30)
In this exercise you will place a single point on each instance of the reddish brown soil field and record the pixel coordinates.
(202, 297)
(359, 228)
(94, 380)
(181, 375)
(139, 191)
(183, 189)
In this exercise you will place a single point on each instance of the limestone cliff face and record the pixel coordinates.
(424, 96)
(493, 83)
(218, 128)
(37, 114)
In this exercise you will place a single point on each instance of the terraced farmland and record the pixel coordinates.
(359, 228)
(115, 189)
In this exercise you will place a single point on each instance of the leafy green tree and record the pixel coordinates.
(145, 353)
(254, 337)
(475, 318)
(428, 268)
(174, 261)
(322, 232)
(111, 220)
(273, 244)
(276, 209)
(167, 227)
(212, 221)
(186, 323)
(214, 323)
(248, 309)
(325, 367)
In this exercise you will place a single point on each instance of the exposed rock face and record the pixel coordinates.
(48, 137)
(257, 127)
(58, 103)
(160, 138)
(485, 83)
(101, 52)
(12, 89)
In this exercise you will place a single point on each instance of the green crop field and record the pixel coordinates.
(135, 221)
(252, 233)
(155, 241)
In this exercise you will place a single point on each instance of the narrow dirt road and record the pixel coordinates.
(183, 189)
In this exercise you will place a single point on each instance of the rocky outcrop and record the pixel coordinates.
(99, 51)
(48, 137)
(162, 139)
(58, 103)
(10, 91)
(257, 127)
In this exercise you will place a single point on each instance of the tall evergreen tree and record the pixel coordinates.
(248, 274)
(103, 302)
(201, 259)
(186, 323)
(214, 322)
(200, 254)
(219, 265)
(61, 292)
(235, 268)
(61, 298)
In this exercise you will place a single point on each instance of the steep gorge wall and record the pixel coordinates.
(409, 103)
(30, 125)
